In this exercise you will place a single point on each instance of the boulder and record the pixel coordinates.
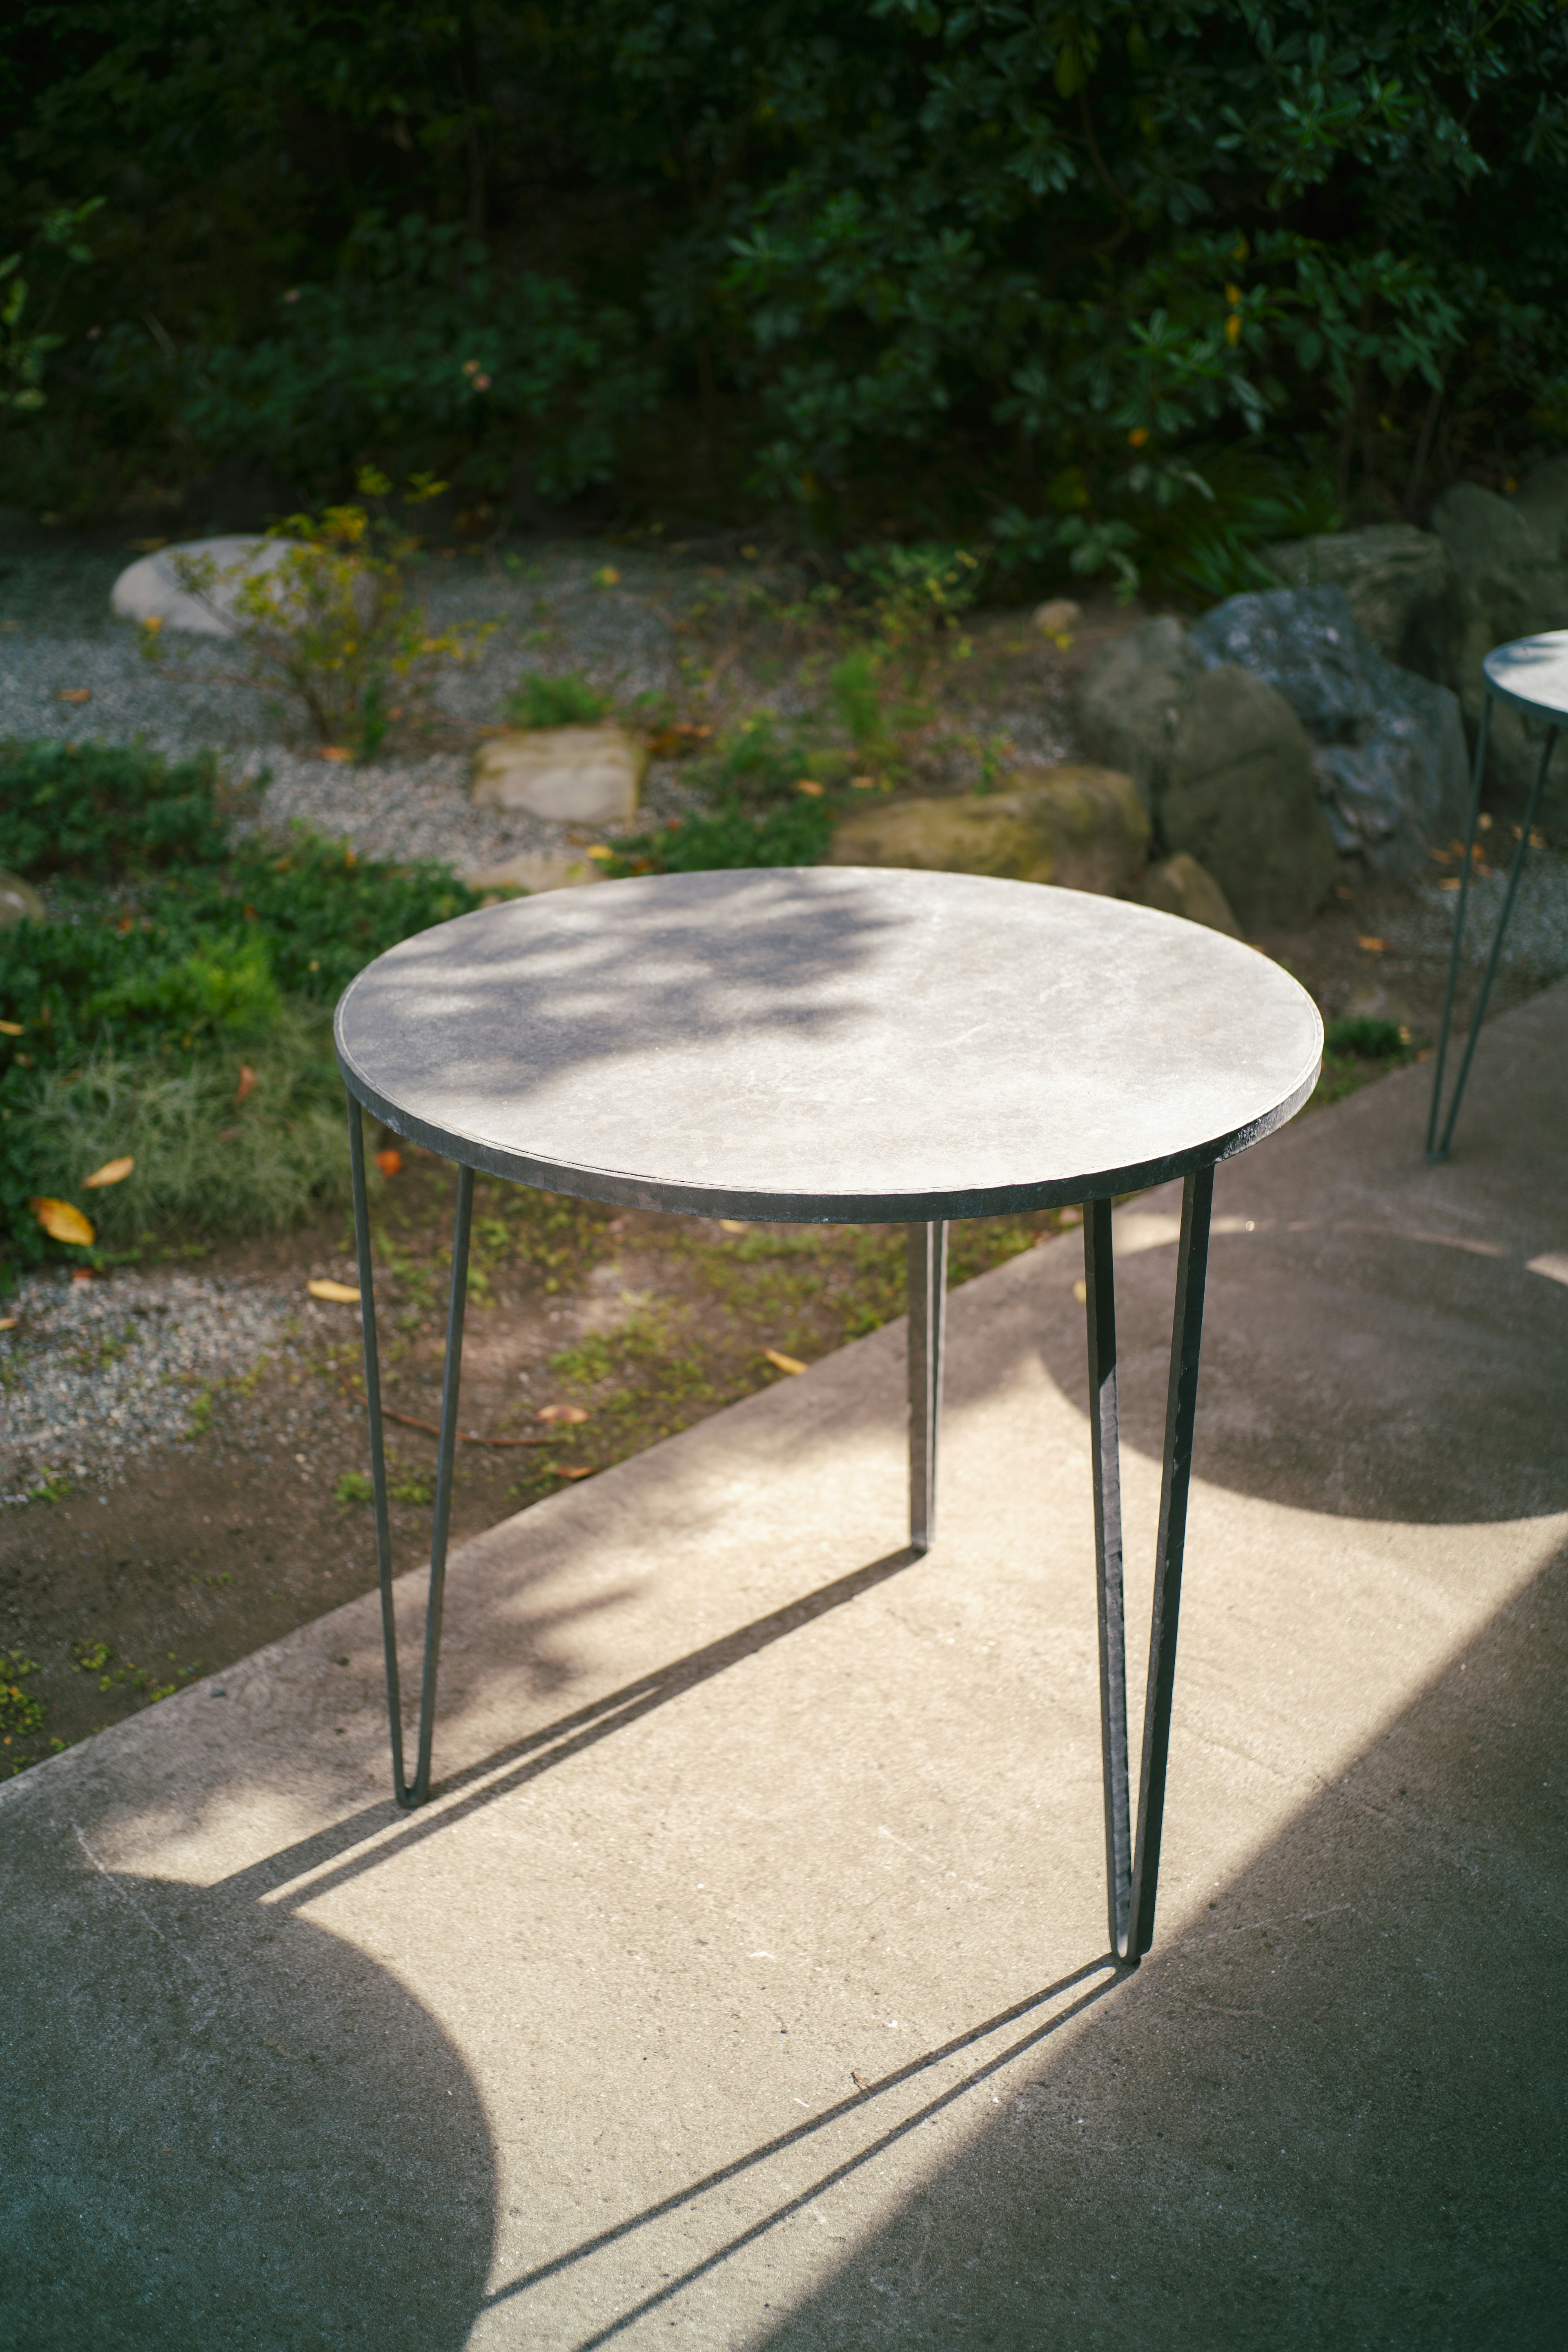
(1511, 565)
(1128, 698)
(19, 902)
(1390, 574)
(1391, 763)
(1085, 828)
(578, 775)
(1180, 885)
(1242, 799)
(151, 590)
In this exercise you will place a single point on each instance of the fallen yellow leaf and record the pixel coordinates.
(247, 1082)
(1374, 947)
(572, 1412)
(74, 694)
(1080, 1290)
(863, 783)
(344, 1293)
(573, 1470)
(334, 751)
(809, 786)
(786, 1363)
(61, 1222)
(734, 1225)
(10, 1028)
(113, 1171)
(9, 1322)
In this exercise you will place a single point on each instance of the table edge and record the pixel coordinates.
(622, 1189)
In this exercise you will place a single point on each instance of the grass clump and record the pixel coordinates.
(567, 701)
(179, 1020)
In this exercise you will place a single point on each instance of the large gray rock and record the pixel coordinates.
(1511, 565)
(158, 588)
(577, 775)
(1392, 576)
(1129, 701)
(1180, 885)
(1391, 762)
(1243, 799)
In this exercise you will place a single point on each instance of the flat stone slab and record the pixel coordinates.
(151, 589)
(743, 1984)
(582, 775)
(535, 870)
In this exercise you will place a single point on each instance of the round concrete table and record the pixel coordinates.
(842, 1046)
(1529, 675)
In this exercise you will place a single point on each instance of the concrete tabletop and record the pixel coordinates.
(828, 1044)
(1532, 674)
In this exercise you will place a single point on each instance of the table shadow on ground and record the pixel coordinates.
(247, 2137)
(1406, 1382)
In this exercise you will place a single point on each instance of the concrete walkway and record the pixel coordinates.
(744, 1984)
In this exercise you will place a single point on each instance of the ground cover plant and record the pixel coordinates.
(174, 1011)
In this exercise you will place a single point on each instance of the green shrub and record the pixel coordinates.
(94, 809)
(543, 701)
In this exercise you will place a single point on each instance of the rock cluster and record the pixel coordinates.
(1274, 736)
(1085, 828)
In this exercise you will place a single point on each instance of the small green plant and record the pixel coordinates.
(331, 620)
(90, 1657)
(1375, 1041)
(410, 1485)
(20, 1713)
(354, 1486)
(567, 701)
(857, 687)
(795, 833)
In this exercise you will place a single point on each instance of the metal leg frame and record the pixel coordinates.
(928, 1303)
(410, 1794)
(1436, 1150)
(1133, 1870)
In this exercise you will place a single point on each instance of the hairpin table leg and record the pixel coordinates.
(409, 1794)
(927, 1298)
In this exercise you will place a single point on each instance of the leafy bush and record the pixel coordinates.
(542, 701)
(331, 620)
(92, 809)
(421, 350)
(134, 1020)
(1372, 1041)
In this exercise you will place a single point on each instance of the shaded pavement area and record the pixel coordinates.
(745, 1981)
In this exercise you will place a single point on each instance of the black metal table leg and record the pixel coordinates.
(927, 1303)
(409, 1794)
(1437, 1150)
(1133, 1874)
(1105, 1457)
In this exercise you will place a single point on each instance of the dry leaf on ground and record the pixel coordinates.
(786, 1363)
(334, 751)
(246, 1083)
(9, 1322)
(11, 1028)
(74, 694)
(574, 1470)
(1374, 947)
(389, 1162)
(344, 1293)
(61, 1222)
(734, 1225)
(113, 1171)
(572, 1412)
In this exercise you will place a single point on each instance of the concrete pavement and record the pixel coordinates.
(745, 1982)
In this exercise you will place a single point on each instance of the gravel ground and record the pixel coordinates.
(1536, 950)
(58, 638)
(96, 1372)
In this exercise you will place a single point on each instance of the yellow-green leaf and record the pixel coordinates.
(61, 1222)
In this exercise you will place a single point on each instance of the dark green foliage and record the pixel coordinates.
(92, 809)
(901, 269)
(554, 702)
(793, 832)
